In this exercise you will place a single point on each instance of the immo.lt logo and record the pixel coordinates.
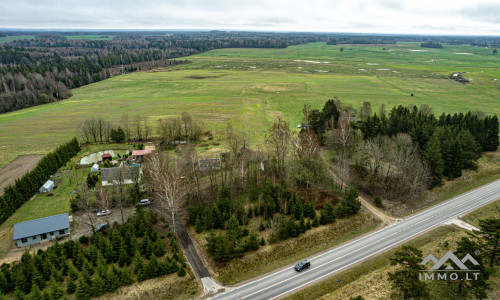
(459, 272)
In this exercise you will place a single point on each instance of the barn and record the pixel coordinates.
(38, 230)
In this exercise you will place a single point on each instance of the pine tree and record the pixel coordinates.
(298, 210)
(153, 267)
(113, 280)
(405, 280)
(160, 249)
(315, 222)
(36, 294)
(56, 291)
(83, 291)
(181, 272)
(124, 259)
(70, 287)
(99, 286)
(198, 226)
(434, 159)
(126, 277)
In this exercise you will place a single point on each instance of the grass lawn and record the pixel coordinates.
(250, 90)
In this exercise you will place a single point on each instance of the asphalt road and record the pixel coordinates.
(287, 280)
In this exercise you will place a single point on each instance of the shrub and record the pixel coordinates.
(378, 201)
(83, 239)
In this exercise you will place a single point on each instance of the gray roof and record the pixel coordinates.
(109, 174)
(39, 226)
(48, 184)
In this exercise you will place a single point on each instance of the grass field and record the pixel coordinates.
(11, 38)
(250, 89)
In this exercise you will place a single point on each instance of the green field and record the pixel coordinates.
(90, 37)
(11, 38)
(250, 89)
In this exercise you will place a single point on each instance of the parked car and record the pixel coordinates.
(144, 202)
(104, 213)
(302, 265)
(102, 227)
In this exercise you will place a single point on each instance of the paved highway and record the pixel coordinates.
(287, 280)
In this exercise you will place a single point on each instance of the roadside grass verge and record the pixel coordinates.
(491, 210)
(282, 253)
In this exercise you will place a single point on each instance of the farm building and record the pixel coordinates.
(36, 231)
(95, 168)
(47, 187)
(138, 155)
(209, 164)
(127, 175)
(107, 156)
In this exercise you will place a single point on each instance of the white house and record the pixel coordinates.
(47, 187)
(95, 168)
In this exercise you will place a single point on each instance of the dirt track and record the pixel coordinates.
(16, 169)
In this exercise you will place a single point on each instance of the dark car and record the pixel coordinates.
(102, 227)
(302, 265)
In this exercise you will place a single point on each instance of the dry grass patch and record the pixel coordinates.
(165, 287)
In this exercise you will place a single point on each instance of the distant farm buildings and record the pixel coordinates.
(36, 231)
(47, 186)
(209, 164)
(123, 175)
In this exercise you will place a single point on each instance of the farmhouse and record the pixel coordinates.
(47, 187)
(36, 231)
(138, 155)
(209, 164)
(124, 174)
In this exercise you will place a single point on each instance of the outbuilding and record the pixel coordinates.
(107, 156)
(38, 230)
(95, 168)
(138, 155)
(47, 187)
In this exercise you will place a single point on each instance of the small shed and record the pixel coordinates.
(95, 168)
(47, 187)
(107, 156)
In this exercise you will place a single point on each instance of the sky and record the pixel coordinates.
(455, 17)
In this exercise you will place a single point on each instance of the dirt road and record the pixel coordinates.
(16, 169)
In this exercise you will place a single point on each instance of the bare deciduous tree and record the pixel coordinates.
(164, 181)
(103, 200)
(83, 204)
(126, 126)
(278, 143)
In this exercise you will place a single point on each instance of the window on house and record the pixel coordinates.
(24, 240)
(44, 236)
(61, 231)
(52, 233)
(33, 237)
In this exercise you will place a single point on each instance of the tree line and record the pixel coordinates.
(92, 267)
(25, 187)
(448, 144)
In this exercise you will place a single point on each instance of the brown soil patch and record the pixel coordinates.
(16, 169)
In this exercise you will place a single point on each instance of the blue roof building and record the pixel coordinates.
(36, 231)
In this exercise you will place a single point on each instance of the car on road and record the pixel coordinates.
(104, 213)
(144, 202)
(102, 227)
(302, 265)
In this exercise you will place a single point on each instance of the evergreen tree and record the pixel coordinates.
(405, 280)
(298, 210)
(315, 222)
(198, 225)
(36, 294)
(489, 238)
(70, 287)
(83, 291)
(491, 140)
(432, 155)
(350, 201)
(126, 277)
(181, 272)
(327, 214)
(56, 291)
(113, 280)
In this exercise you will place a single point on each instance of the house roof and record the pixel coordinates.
(39, 226)
(109, 174)
(107, 155)
(140, 152)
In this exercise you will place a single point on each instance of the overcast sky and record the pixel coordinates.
(474, 17)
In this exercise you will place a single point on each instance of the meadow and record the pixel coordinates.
(249, 87)
(11, 38)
